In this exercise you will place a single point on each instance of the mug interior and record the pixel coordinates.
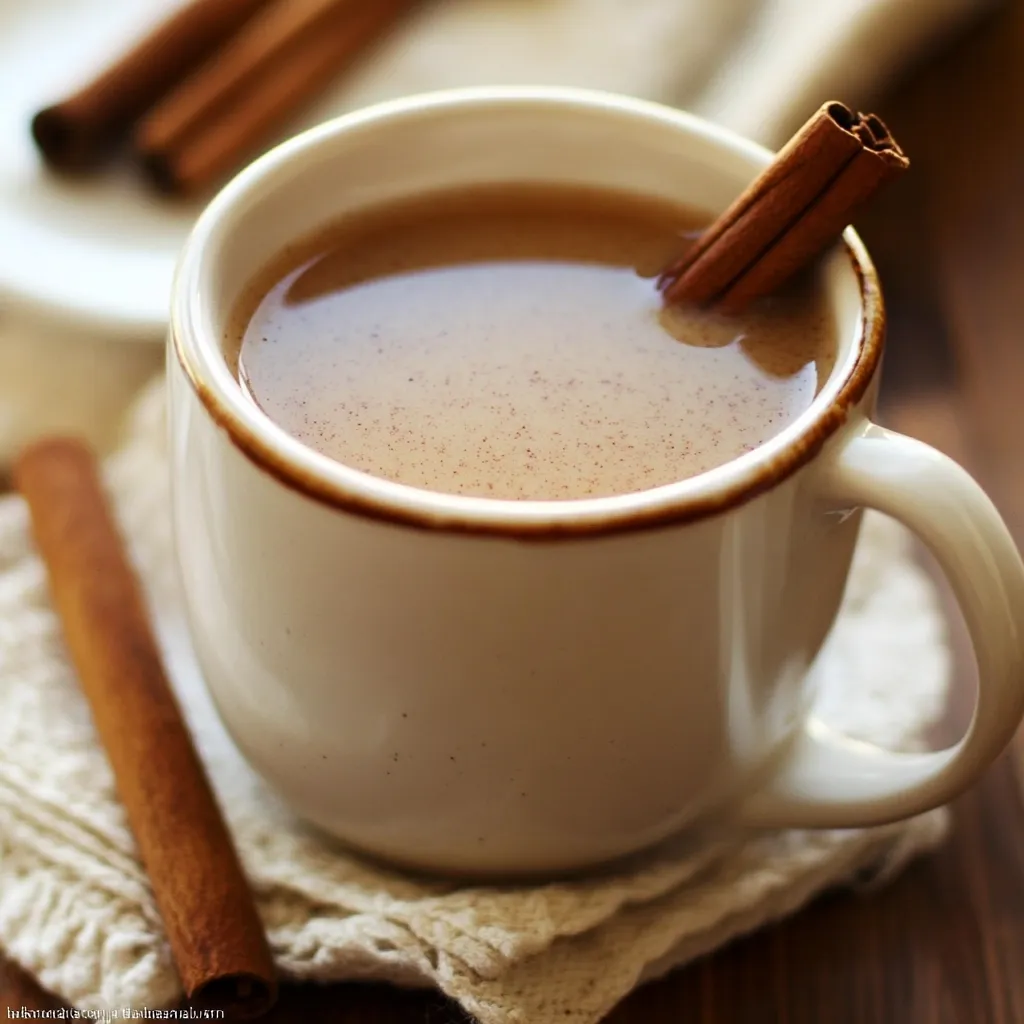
(414, 146)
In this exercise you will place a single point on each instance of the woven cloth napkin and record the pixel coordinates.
(758, 66)
(76, 910)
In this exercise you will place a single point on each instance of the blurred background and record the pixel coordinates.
(88, 253)
(945, 943)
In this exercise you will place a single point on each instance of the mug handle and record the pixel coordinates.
(827, 780)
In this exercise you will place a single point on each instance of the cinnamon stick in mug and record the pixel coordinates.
(797, 207)
(212, 926)
(80, 130)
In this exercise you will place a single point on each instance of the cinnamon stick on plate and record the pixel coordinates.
(251, 52)
(790, 214)
(79, 131)
(214, 931)
(232, 104)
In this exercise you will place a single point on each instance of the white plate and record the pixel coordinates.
(97, 253)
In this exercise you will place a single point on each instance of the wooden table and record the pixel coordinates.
(944, 944)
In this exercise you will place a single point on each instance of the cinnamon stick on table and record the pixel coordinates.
(790, 214)
(214, 931)
(79, 131)
(228, 107)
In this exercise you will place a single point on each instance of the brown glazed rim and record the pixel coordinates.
(272, 451)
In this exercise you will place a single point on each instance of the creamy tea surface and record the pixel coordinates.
(510, 342)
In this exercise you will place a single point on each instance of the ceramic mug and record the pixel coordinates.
(488, 687)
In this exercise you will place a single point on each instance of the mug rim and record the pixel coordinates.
(271, 450)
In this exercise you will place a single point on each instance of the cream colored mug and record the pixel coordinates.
(489, 687)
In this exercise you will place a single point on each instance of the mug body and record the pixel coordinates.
(490, 687)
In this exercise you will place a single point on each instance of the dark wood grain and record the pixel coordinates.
(943, 944)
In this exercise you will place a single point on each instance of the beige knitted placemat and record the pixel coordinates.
(76, 911)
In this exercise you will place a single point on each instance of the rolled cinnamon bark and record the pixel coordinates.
(212, 926)
(238, 63)
(791, 213)
(230, 106)
(79, 131)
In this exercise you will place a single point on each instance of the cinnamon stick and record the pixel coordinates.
(214, 931)
(790, 214)
(79, 131)
(278, 26)
(223, 112)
